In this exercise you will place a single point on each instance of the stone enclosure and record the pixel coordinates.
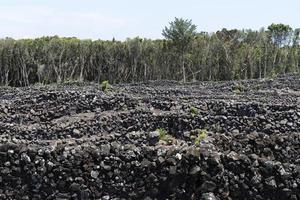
(154, 140)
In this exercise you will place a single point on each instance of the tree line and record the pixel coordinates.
(184, 55)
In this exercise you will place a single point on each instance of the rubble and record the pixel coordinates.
(78, 142)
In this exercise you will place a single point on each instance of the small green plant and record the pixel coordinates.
(163, 135)
(273, 74)
(237, 92)
(194, 111)
(104, 85)
(39, 84)
(202, 134)
(238, 89)
(257, 87)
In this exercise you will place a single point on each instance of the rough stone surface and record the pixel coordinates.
(77, 142)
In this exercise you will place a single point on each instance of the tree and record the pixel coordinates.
(280, 34)
(296, 37)
(181, 32)
(222, 55)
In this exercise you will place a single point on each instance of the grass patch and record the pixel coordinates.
(201, 135)
(164, 136)
(194, 111)
(238, 89)
(105, 85)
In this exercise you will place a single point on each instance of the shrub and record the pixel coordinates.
(163, 135)
(238, 89)
(257, 87)
(237, 92)
(194, 110)
(104, 85)
(202, 134)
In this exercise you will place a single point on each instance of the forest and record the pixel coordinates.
(185, 55)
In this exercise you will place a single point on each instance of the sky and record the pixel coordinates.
(121, 19)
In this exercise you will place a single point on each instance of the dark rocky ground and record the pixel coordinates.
(77, 142)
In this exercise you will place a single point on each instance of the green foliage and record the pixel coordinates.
(202, 134)
(273, 74)
(224, 55)
(281, 34)
(163, 135)
(258, 87)
(194, 111)
(237, 92)
(181, 32)
(238, 89)
(105, 85)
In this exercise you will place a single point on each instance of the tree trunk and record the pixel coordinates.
(265, 61)
(259, 66)
(183, 67)
(145, 72)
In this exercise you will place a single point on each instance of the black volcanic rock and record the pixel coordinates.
(77, 142)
